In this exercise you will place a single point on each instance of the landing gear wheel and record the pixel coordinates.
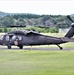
(61, 48)
(21, 47)
(9, 46)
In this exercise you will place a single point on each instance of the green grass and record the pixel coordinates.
(20, 62)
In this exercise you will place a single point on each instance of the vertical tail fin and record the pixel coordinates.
(70, 32)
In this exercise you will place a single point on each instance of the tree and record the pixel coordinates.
(7, 21)
(20, 22)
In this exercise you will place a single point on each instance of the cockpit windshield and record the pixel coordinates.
(1, 38)
(16, 37)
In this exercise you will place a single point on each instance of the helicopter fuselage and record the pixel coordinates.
(31, 39)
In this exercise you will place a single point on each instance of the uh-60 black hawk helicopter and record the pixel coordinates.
(30, 38)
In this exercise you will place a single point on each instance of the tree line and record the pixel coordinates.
(46, 22)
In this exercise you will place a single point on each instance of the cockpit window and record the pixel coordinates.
(14, 37)
(1, 38)
(7, 38)
(20, 38)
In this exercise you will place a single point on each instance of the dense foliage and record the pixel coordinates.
(41, 23)
(32, 28)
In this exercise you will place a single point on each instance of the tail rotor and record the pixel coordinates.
(71, 31)
(70, 18)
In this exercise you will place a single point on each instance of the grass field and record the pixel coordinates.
(36, 62)
(41, 62)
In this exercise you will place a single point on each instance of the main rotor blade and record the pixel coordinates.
(70, 18)
(17, 26)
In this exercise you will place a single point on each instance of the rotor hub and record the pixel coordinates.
(72, 24)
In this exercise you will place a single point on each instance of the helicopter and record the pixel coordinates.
(22, 38)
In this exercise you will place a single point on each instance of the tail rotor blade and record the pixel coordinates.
(70, 18)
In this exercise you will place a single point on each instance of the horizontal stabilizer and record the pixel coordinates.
(66, 39)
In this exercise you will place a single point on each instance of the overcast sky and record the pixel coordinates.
(51, 7)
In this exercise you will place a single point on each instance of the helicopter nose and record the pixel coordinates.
(0, 42)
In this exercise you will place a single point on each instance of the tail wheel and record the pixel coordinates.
(21, 46)
(9, 46)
